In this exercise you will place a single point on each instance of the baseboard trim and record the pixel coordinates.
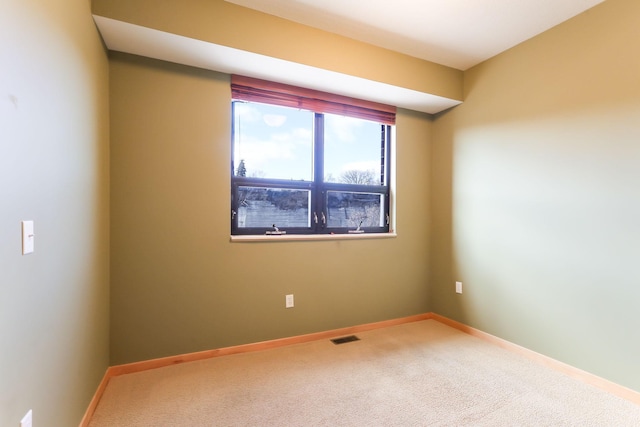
(571, 371)
(263, 345)
(586, 377)
(96, 398)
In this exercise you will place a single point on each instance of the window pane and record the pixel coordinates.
(347, 209)
(353, 150)
(273, 142)
(262, 207)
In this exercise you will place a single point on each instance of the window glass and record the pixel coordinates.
(260, 207)
(273, 142)
(353, 153)
(355, 210)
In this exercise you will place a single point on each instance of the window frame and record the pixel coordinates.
(318, 187)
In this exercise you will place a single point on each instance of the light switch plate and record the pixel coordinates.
(28, 237)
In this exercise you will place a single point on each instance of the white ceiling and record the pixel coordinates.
(456, 33)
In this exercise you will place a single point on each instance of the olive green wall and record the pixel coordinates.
(54, 135)
(179, 285)
(536, 197)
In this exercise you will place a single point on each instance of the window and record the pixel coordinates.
(305, 162)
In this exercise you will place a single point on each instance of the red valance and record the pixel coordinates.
(256, 90)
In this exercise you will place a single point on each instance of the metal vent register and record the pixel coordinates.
(345, 340)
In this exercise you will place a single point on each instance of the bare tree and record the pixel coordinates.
(356, 176)
(365, 216)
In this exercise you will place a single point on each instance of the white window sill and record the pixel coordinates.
(312, 237)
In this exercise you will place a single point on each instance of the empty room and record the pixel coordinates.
(198, 196)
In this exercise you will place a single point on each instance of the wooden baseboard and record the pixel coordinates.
(96, 398)
(573, 372)
(264, 345)
(608, 386)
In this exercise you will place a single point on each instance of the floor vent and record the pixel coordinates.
(344, 340)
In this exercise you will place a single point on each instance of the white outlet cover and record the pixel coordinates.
(288, 301)
(458, 287)
(27, 420)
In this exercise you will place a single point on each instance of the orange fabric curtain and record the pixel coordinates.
(250, 89)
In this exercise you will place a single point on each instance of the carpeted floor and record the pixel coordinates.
(416, 374)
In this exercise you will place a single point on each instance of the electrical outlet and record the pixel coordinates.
(288, 301)
(27, 420)
(458, 287)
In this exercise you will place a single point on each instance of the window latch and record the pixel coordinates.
(233, 215)
(387, 219)
(275, 232)
(324, 219)
(357, 230)
(315, 217)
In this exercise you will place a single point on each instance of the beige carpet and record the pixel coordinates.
(417, 374)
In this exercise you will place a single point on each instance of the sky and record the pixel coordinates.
(277, 142)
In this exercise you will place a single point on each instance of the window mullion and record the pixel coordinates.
(387, 175)
(318, 177)
(383, 154)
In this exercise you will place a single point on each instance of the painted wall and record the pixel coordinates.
(179, 285)
(536, 197)
(54, 134)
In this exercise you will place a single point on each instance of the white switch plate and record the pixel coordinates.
(288, 301)
(27, 420)
(28, 238)
(458, 287)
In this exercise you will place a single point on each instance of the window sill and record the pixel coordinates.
(312, 237)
